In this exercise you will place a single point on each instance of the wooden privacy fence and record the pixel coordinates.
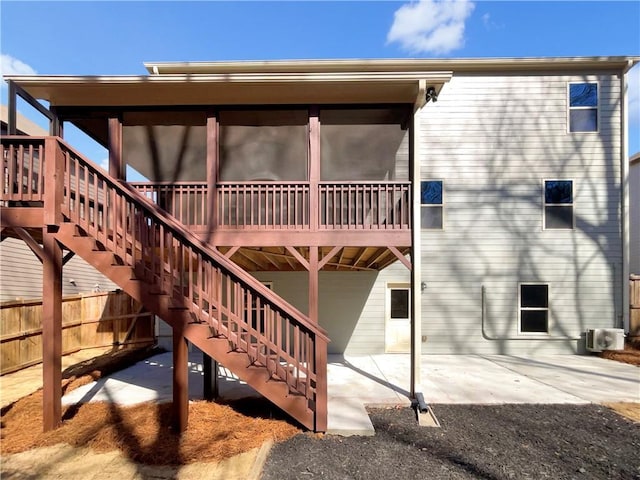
(105, 319)
(634, 300)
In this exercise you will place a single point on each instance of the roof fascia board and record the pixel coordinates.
(461, 64)
(233, 78)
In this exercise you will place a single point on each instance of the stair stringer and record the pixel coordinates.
(199, 332)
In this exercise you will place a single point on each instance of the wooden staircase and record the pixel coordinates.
(215, 304)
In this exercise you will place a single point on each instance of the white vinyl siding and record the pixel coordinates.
(493, 139)
(352, 304)
(21, 274)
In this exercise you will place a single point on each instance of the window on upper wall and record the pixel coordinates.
(583, 107)
(431, 205)
(558, 204)
(534, 308)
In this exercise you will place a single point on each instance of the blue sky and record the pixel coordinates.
(90, 38)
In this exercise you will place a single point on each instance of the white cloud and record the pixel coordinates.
(430, 26)
(104, 164)
(633, 89)
(12, 66)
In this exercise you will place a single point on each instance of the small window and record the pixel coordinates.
(583, 107)
(534, 308)
(558, 204)
(400, 303)
(431, 204)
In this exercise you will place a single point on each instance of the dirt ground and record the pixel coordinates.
(486, 442)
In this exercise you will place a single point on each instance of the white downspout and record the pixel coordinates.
(416, 257)
(624, 160)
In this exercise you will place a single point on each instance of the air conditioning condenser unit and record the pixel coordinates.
(599, 339)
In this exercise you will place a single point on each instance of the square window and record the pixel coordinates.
(432, 204)
(535, 296)
(583, 107)
(534, 321)
(558, 204)
(583, 95)
(534, 308)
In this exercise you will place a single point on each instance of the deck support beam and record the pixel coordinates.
(51, 330)
(180, 380)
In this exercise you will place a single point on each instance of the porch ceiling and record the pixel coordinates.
(347, 259)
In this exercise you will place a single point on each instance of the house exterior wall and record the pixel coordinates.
(634, 215)
(21, 274)
(350, 306)
(493, 140)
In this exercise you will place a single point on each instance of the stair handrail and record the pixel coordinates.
(183, 234)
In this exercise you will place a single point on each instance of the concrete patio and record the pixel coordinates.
(383, 380)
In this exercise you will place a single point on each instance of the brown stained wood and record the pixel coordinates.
(34, 246)
(52, 332)
(329, 256)
(162, 245)
(401, 257)
(25, 217)
(229, 253)
(54, 173)
(67, 257)
(303, 261)
(313, 284)
(180, 380)
(275, 238)
(116, 162)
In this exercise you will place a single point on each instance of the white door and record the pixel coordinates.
(398, 321)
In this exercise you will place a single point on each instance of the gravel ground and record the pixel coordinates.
(475, 442)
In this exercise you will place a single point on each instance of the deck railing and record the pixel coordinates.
(240, 205)
(268, 205)
(186, 201)
(286, 205)
(22, 178)
(360, 205)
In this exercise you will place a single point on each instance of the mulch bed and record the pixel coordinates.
(143, 432)
(630, 354)
(475, 442)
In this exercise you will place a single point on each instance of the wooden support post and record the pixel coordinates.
(314, 168)
(321, 386)
(180, 380)
(51, 331)
(12, 127)
(212, 173)
(116, 164)
(210, 369)
(321, 346)
(313, 284)
(52, 287)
